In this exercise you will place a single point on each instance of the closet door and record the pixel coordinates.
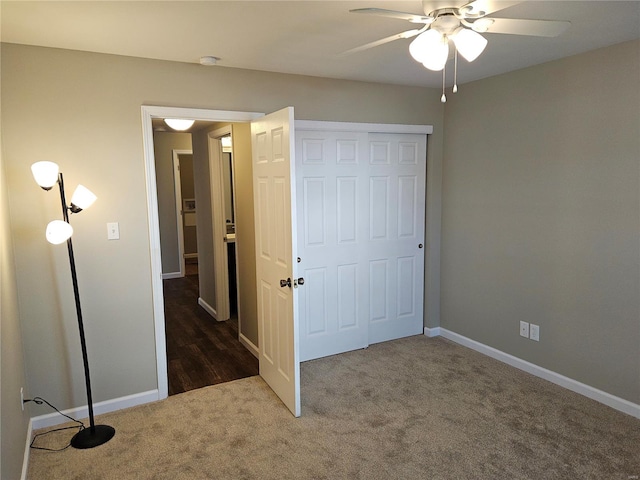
(361, 204)
(395, 243)
(331, 185)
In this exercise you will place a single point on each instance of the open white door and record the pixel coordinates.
(272, 141)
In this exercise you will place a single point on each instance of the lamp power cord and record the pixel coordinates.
(80, 426)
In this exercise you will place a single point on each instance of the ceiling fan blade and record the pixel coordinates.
(382, 41)
(487, 6)
(536, 28)
(394, 14)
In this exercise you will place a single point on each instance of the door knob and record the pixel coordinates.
(297, 282)
(285, 283)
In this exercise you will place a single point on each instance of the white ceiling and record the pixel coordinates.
(304, 37)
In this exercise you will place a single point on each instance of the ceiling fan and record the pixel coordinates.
(462, 26)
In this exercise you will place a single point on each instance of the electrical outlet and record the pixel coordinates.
(524, 329)
(22, 398)
(534, 332)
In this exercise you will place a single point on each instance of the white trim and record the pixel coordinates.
(170, 275)
(588, 391)
(52, 419)
(220, 255)
(27, 451)
(431, 332)
(363, 127)
(249, 345)
(208, 308)
(148, 113)
(155, 253)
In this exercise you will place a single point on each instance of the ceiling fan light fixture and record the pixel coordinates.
(179, 124)
(482, 24)
(470, 44)
(430, 48)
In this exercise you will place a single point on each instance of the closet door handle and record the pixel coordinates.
(285, 283)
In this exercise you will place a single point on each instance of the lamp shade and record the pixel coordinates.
(82, 197)
(45, 174)
(58, 231)
(470, 44)
(179, 124)
(430, 48)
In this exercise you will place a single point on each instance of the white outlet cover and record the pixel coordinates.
(534, 332)
(524, 329)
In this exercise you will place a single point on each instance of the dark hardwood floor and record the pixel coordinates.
(200, 350)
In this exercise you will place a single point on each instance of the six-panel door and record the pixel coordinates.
(273, 170)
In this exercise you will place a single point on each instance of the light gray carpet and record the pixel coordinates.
(415, 408)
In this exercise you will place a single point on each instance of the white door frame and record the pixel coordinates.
(179, 208)
(149, 113)
(220, 255)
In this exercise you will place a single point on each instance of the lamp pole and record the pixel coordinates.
(95, 435)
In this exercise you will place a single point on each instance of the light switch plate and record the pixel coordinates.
(113, 231)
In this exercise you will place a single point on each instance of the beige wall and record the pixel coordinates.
(204, 215)
(541, 214)
(163, 145)
(14, 421)
(245, 231)
(82, 110)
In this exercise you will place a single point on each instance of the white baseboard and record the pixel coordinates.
(432, 332)
(51, 419)
(27, 451)
(209, 309)
(588, 391)
(169, 276)
(250, 346)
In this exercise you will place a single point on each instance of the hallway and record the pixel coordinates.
(200, 350)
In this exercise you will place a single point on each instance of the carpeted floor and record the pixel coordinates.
(415, 408)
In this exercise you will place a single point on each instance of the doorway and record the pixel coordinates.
(186, 220)
(202, 350)
(203, 118)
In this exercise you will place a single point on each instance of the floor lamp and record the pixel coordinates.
(47, 175)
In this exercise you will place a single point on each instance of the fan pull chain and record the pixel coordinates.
(443, 98)
(455, 71)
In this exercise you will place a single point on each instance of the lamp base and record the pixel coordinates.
(89, 438)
